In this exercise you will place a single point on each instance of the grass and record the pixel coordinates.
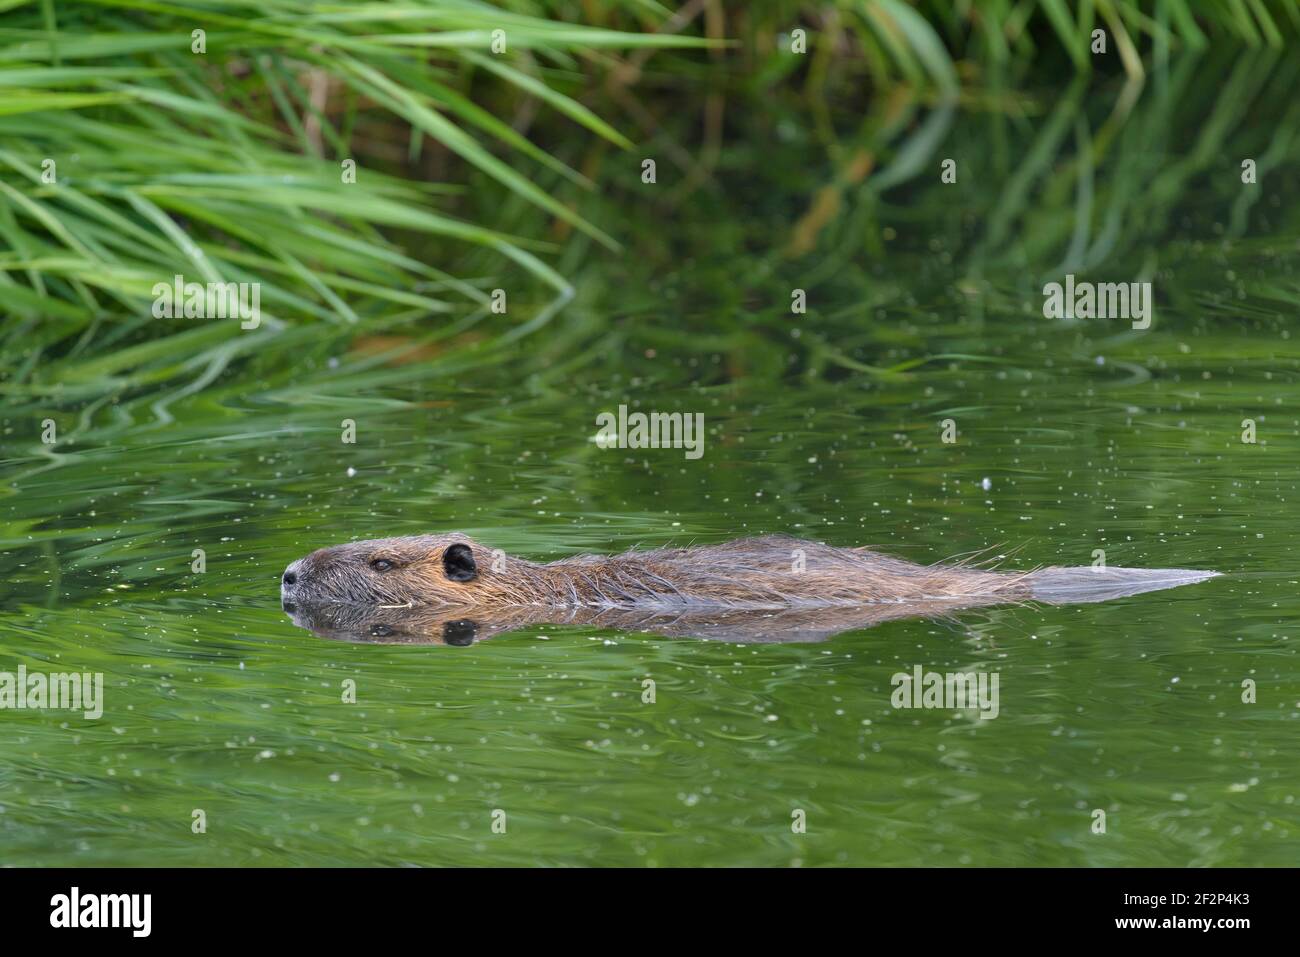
(128, 158)
(478, 170)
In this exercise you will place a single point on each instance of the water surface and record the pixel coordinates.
(1072, 437)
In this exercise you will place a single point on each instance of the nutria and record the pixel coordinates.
(772, 572)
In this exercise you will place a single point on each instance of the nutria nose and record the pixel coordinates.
(293, 574)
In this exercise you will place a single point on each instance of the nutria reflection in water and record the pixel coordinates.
(464, 625)
(449, 589)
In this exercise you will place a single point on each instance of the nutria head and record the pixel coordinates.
(422, 569)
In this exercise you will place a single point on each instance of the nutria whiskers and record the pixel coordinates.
(771, 572)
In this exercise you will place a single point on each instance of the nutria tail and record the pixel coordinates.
(1067, 586)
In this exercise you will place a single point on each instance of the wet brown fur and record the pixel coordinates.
(750, 573)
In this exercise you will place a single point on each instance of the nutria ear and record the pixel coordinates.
(458, 563)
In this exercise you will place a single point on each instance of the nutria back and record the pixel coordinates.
(771, 572)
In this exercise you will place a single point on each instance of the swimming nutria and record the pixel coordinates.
(772, 572)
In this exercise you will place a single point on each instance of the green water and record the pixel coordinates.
(214, 701)
(1072, 437)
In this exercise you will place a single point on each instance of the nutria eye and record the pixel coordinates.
(382, 565)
